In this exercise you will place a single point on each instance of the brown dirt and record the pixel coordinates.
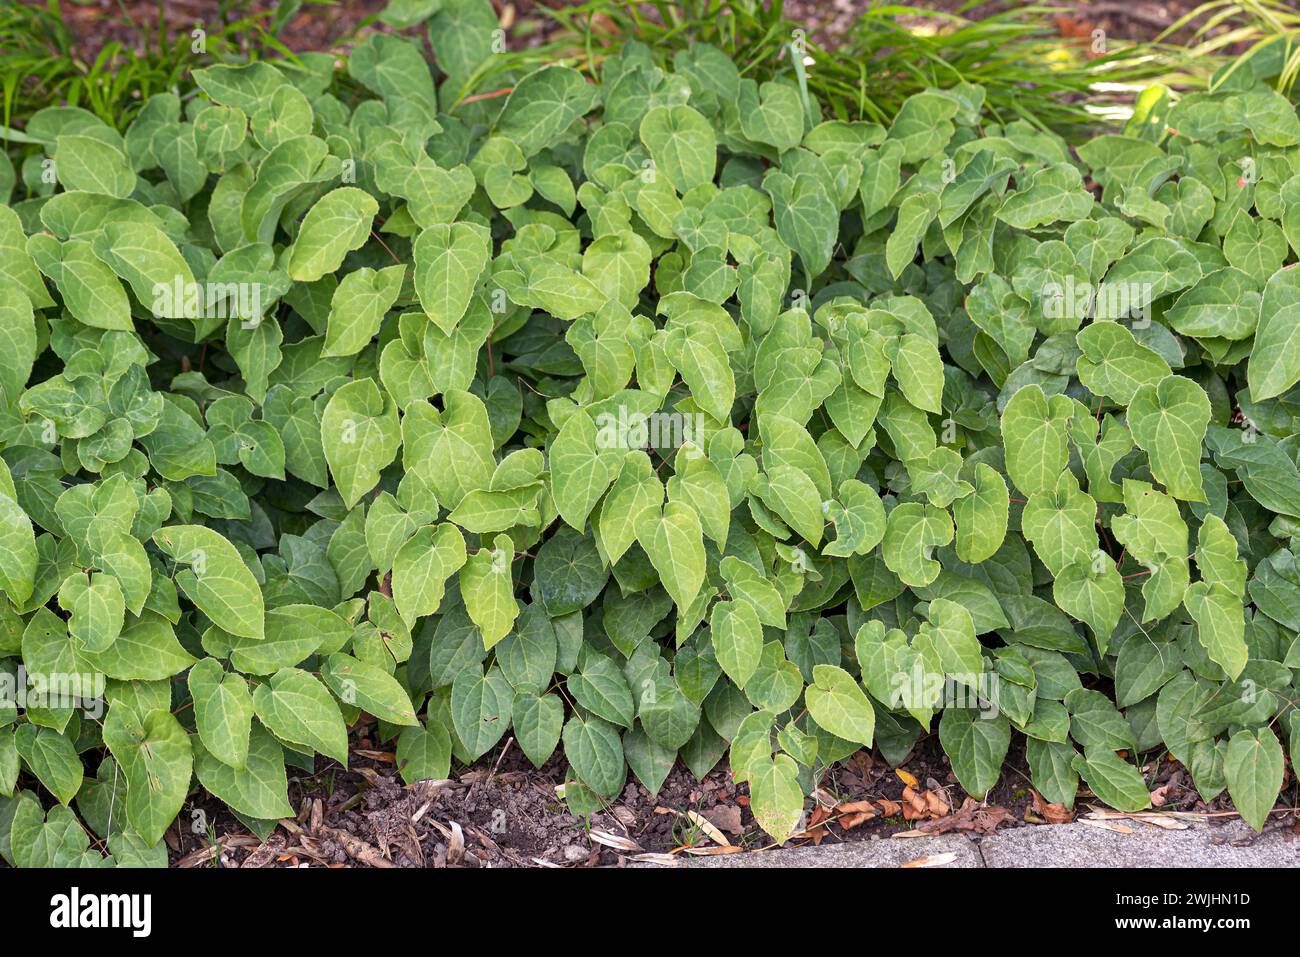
(321, 26)
(504, 813)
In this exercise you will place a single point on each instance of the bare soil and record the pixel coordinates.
(328, 26)
(502, 812)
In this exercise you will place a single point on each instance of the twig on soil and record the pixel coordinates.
(500, 757)
(206, 855)
(1197, 815)
(415, 840)
(356, 848)
(495, 767)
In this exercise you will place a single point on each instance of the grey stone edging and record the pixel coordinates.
(1227, 844)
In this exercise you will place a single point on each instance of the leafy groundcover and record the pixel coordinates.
(655, 419)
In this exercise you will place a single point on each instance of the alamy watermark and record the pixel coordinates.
(209, 300)
(1129, 301)
(922, 688)
(75, 910)
(83, 691)
(656, 430)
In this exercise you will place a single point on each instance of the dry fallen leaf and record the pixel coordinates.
(936, 803)
(856, 807)
(907, 778)
(725, 817)
(889, 808)
(456, 846)
(972, 817)
(1168, 822)
(862, 763)
(914, 808)
(1163, 821)
(664, 860)
(933, 860)
(923, 805)
(1108, 826)
(854, 813)
(708, 827)
(613, 840)
(816, 828)
(1051, 813)
(712, 851)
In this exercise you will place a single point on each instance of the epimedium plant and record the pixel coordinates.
(649, 420)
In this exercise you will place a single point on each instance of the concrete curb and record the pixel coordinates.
(1229, 844)
(882, 853)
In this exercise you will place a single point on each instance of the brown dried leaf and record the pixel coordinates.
(712, 851)
(615, 841)
(854, 813)
(862, 763)
(725, 817)
(972, 817)
(933, 860)
(387, 757)
(915, 801)
(936, 803)
(1051, 813)
(663, 860)
(816, 828)
(708, 827)
(1107, 826)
